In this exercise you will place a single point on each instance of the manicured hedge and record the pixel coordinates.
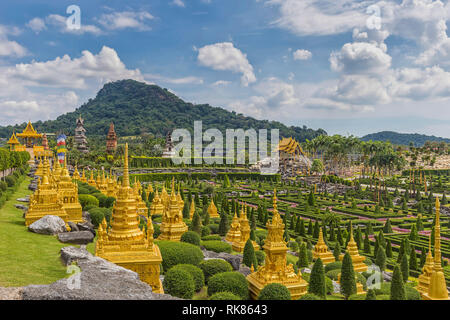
(274, 291)
(196, 273)
(309, 296)
(233, 282)
(224, 296)
(174, 253)
(179, 283)
(216, 246)
(214, 266)
(87, 199)
(191, 237)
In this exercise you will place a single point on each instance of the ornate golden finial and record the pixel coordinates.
(126, 176)
(351, 231)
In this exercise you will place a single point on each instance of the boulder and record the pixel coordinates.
(21, 207)
(244, 270)
(23, 199)
(93, 278)
(86, 226)
(86, 217)
(76, 237)
(234, 260)
(48, 225)
(73, 226)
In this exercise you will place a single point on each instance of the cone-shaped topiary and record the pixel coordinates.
(196, 223)
(380, 259)
(302, 261)
(348, 280)
(249, 254)
(413, 259)
(223, 224)
(397, 286)
(317, 280)
(405, 267)
(388, 248)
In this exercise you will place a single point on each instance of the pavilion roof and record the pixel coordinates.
(29, 132)
(13, 139)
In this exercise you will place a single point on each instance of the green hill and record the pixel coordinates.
(136, 107)
(403, 138)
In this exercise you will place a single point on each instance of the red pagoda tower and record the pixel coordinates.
(111, 140)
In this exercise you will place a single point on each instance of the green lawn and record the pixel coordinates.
(25, 257)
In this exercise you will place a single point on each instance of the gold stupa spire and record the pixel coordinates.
(126, 175)
(438, 287)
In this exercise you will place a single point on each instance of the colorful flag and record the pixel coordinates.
(61, 147)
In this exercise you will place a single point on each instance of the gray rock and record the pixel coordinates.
(48, 225)
(23, 199)
(244, 270)
(86, 226)
(73, 226)
(76, 237)
(86, 217)
(96, 279)
(234, 260)
(32, 186)
(21, 207)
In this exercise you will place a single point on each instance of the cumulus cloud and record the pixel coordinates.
(221, 83)
(60, 22)
(302, 54)
(65, 72)
(9, 48)
(225, 57)
(126, 19)
(37, 25)
(178, 3)
(183, 80)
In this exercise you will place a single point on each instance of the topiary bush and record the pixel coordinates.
(179, 283)
(329, 288)
(411, 293)
(216, 246)
(309, 296)
(260, 257)
(333, 266)
(224, 296)
(233, 282)
(211, 237)
(206, 231)
(191, 237)
(196, 273)
(274, 291)
(10, 181)
(3, 186)
(174, 253)
(214, 266)
(333, 274)
(87, 199)
(214, 227)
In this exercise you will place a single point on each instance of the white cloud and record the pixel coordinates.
(10, 48)
(221, 83)
(65, 72)
(184, 80)
(60, 22)
(319, 17)
(178, 3)
(126, 19)
(37, 25)
(302, 54)
(225, 57)
(360, 57)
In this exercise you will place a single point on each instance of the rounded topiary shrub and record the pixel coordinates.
(206, 231)
(87, 199)
(216, 246)
(191, 237)
(274, 291)
(333, 266)
(214, 228)
(97, 215)
(333, 274)
(309, 296)
(411, 293)
(214, 266)
(10, 181)
(329, 285)
(211, 237)
(179, 283)
(233, 282)
(174, 253)
(3, 186)
(157, 231)
(385, 289)
(224, 296)
(196, 273)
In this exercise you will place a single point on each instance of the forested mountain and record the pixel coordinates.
(403, 138)
(137, 107)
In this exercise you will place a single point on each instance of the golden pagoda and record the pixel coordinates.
(165, 198)
(149, 190)
(102, 184)
(212, 210)
(68, 193)
(98, 181)
(39, 169)
(321, 250)
(76, 174)
(352, 249)
(141, 205)
(45, 201)
(125, 244)
(157, 206)
(91, 180)
(29, 134)
(172, 226)
(57, 170)
(14, 144)
(427, 270)
(438, 288)
(112, 186)
(234, 234)
(83, 177)
(192, 209)
(275, 269)
(245, 234)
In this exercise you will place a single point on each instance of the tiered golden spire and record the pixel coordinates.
(352, 249)
(234, 234)
(125, 243)
(275, 269)
(321, 250)
(424, 279)
(438, 287)
(245, 232)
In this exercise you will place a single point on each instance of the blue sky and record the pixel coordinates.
(349, 67)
